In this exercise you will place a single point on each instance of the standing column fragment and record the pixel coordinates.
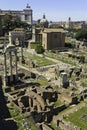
(5, 71)
(11, 76)
(16, 65)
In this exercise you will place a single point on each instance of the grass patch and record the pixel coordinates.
(34, 45)
(43, 82)
(40, 61)
(58, 103)
(62, 58)
(55, 127)
(76, 119)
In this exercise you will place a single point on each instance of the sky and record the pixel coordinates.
(55, 10)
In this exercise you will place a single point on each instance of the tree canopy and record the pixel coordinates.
(81, 35)
(8, 24)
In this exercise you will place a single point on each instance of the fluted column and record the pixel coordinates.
(21, 51)
(11, 76)
(16, 72)
(5, 71)
(10, 37)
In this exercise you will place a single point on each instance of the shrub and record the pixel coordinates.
(39, 49)
(69, 45)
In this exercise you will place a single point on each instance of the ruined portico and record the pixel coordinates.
(10, 49)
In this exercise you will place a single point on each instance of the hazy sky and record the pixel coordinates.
(55, 10)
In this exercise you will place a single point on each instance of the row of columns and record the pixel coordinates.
(12, 35)
(5, 67)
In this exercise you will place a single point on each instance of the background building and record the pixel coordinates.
(24, 15)
(50, 38)
(69, 23)
(44, 22)
(53, 38)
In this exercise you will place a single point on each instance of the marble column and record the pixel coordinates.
(10, 37)
(11, 76)
(21, 51)
(16, 72)
(5, 70)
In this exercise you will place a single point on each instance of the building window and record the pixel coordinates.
(26, 17)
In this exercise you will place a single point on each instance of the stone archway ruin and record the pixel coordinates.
(17, 34)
